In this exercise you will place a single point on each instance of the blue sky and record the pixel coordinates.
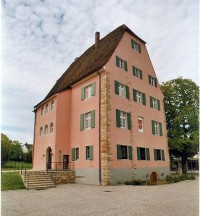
(41, 38)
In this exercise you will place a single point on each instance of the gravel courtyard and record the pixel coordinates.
(74, 200)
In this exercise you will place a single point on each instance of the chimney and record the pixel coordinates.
(97, 38)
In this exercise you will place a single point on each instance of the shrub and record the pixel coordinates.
(135, 182)
(174, 179)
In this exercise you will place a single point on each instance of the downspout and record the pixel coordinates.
(99, 127)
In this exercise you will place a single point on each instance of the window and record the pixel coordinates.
(89, 152)
(51, 128)
(143, 153)
(136, 46)
(121, 63)
(123, 119)
(159, 154)
(154, 103)
(137, 72)
(88, 91)
(47, 108)
(75, 154)
(152, 81)
(121, 90)
(46, 130)
(52, 105)
(87, 120)
(139, 97)
(124, 152)
(41, 131)
(42, 111)
(156, 128)
(140, 125)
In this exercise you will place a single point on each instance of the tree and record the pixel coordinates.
(16, 152)
(6, 145)
(181, 101)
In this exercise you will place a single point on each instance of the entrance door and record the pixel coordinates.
(49, 157)
(65, 161)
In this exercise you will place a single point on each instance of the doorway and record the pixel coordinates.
(65, 161)
(153, 177)
(49, 158)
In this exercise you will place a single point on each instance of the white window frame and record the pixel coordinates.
(122, 90)
(42, 111)
(123, 119)
(152, 81)
(141, 119)
(52, 105)
(121, 63)
(87, 152)
(155, 103)
(88, 120)
(88, 91)
(156, 128)
(77, 155)
(139, 97)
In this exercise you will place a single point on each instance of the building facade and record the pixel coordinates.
(105, 115)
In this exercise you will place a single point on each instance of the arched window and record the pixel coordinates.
(52, 105)
(42, 111)
(41, 131)
(46, 129)
(47, 108)
(51, 127)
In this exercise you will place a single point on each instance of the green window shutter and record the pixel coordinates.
(133, 70)
(73, 154)
(160, 127)
(163, 155)
(153, 128)
(132, 43)
(127, 92)
(140, 74)
(93, 88)
(117, 61)
(147, 154)
(92, 119)
(91, 152)
(151, 102)
(82, 122)
(118, 118)
(139, 48)
(155, 154)
(155, 82)
(119, 152)
(82, 93)
(138, 153)
(134, 95)
(149, 79)
(158, 101)
(130, 154)
(129, 120)
(125, 66)
(143, 99)
(116, 87)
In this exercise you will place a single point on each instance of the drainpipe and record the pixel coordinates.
(99, 127)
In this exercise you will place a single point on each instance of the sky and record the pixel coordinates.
(41, 38)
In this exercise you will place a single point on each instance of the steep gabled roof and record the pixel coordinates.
(91, 60)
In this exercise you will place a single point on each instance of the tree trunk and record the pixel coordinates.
(184, 165)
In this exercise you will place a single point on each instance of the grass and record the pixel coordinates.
(11, 181)
(12, 165)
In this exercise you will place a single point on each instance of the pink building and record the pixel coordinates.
(105, 115)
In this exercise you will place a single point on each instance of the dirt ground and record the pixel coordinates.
(181, 199)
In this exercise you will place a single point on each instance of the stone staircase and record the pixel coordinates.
(35, 180)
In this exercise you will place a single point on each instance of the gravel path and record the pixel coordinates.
(75, 199)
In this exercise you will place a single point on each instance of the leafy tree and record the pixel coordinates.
(181, 101)
(28, 156)
(16, 152)
(6, 145)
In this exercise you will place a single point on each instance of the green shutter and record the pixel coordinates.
(117, 61)
(163, 155)
(92, 119)
(138, 153)
(139, 48)
(149, 79)
(158, 101)
(116, 87)
(155, 154)
(82, 122)
(125, 66)
(155, 82)
(147, 154)
(130, 154)
(133, 70)
(143, 99)
(73, 154)
(119, 152)
(140, 74)
(160, 127)
(118, 118)
(127, 92)
(134, 95)
(132, 43)
(153, 128)
(151, 102)
(91, 152)
(93, 88)
(129, 120)
(82, 93)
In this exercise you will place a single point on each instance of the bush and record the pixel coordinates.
(174, 179)
(135, 182)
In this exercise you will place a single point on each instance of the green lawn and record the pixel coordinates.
(12, 165)
(11, 181)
